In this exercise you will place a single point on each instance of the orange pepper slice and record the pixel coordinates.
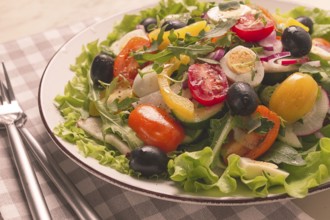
(253, 145)
(271, 135)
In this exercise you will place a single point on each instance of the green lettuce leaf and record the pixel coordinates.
(320, 17)
(193, 171)
(164, 8)
(314, 173)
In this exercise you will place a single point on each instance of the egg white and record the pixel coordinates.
(215, 15)
(255, 168)
(146, 82)
(118, 45)
(248, 77)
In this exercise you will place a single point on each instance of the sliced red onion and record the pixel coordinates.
(269, 39)
(268, 48)
(185, 84)
(271, 66)
(270, 44)
(286, 62)
(275, 56)
(217, 54)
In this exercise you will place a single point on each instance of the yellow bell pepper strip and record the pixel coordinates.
(180, 105)
(92, 110)
(193, 29)
(286, 22)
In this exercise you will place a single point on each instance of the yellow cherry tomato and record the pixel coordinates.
(294, 97)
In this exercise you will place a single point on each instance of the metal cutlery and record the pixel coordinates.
(10, 112)
(75, 199)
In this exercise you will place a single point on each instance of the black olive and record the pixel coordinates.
(242, 99)
(148, 160)
(149, 24)
(102, 69)
(273, 78)
(296, 40)
(173, 24)
(307, 21)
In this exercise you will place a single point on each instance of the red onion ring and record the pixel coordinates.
(217, 54)
(275, 56)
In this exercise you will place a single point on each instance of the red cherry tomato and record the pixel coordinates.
(207, 83)
(253, 28)
(125, 64)
(155, 127)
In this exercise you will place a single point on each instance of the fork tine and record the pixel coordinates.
(11, 95)
(3, 93)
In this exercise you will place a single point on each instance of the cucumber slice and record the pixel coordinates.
(202, 116)
(290, 137)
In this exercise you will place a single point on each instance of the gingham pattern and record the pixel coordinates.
(25, 60)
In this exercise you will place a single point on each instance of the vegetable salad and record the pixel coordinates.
(219, 96)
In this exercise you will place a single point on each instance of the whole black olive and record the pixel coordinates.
(296, 40)
(149, 24)
(148, 160)
(173, 24)
(307, 21)
(242, 99)
(102, 69)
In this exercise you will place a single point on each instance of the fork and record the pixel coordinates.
(10, 112)
(75, 199)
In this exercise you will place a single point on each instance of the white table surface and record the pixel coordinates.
(26, 17)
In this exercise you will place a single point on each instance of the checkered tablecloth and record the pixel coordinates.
(26, 59)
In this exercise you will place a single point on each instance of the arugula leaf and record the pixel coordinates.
(221, 29)
(326, 130)
(219, 131)
(321, 73)
(160, 57)
(113, 122)
(190, 50)
(265, 126)
(282, 153)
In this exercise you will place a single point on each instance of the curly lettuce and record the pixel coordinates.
(194, 172)
(320, 17)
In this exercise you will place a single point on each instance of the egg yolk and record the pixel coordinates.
(241, 61)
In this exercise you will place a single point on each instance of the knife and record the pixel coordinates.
(75, 199)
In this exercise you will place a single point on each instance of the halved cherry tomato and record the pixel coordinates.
(155, 127)
(254, 144)
(125, 64)
(253, 28)
(207, 83)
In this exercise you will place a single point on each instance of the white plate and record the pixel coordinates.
(55, 77)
